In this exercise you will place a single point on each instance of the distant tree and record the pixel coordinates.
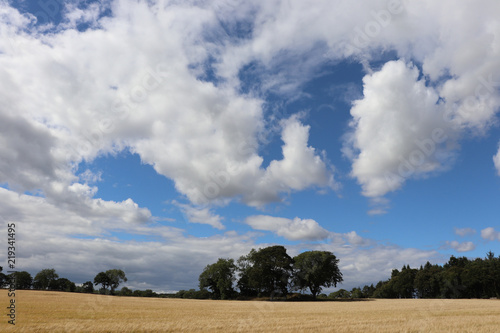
(247, 288)
(202, 294)
(403, 283)
(266, 271)
(219, 278)
(368, 291)
(451, 278)
(385, 289)
(88, 287)
(102, 279)
(341, 293)
(110, 279)
(315, 270)
(428, 281)
(63, 284)
(21, 280)
(116, 276)
(3, 278)
(45, 279)
(125, 292)
(493, 274)
(357, 293)
(148, 293)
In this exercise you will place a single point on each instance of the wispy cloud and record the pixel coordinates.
(292, 229)
(464, 231)
(202, 215)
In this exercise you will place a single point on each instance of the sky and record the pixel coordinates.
(157, 136)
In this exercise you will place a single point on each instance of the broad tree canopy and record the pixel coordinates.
(316, 269)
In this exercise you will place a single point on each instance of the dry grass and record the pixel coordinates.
(69, 312)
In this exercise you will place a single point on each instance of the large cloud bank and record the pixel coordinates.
(162, 80)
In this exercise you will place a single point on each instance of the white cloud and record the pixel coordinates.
(461, 246)
(204, 136)
(87, 97)
(490, 234)
(301, 166)
(496, 161)
(90, 177)
(292, 229)
(456, 45)
(354, 239)
(464, 231)
(377, 211)
(398, 130)
(201, 215)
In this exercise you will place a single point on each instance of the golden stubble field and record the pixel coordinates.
(39, 311)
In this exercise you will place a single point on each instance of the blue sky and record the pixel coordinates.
(156, 137)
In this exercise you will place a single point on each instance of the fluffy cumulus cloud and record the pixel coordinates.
(398, 130)
(84, 96)
(152, 101)
(422, 110)
(292, 229)
(490, 234)
(461, 246)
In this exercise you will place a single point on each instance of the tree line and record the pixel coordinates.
(458, 278)
(271, 272)
(48, 279)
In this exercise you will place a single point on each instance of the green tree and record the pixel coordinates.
(385, 289)
(110, 279)
(219, 278)
(22, 280)
(148, 293)
(63, 284)
(357, 293)
(88, 287)
(266, 271)
(315, 270)
(342, 293)
(368, 291)
(403, 284)
(493, 274)
(3, 278)
(244, 284)
(45, 279)
(125, 292)
(451, 278)
(116, 276)
(102, 279)
(428, 281)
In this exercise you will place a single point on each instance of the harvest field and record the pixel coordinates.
(39, 311)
